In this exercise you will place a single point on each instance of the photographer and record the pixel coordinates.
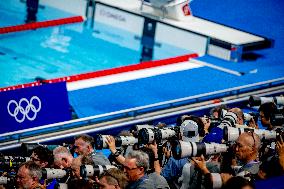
(246, 151)
(28, 176)
(273, 166)
(84, 146)
(266, 111)
(42, 156)
(62, 157)
(153, 163)
(135, 166)
(172, 169)
(190, 176)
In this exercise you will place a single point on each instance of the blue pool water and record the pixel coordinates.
(58, 51)
(66, 50)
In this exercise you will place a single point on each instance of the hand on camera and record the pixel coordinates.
(153, 147)
(111, 143)
(200, 163)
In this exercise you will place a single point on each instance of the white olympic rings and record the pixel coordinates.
(20, 109)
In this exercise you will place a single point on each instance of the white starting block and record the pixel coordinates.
(176, 26)
(173, 9)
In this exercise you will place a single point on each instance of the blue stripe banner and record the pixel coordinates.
(33, 106)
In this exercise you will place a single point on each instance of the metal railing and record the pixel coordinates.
(137, 115)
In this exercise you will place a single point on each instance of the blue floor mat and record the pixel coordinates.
(256, 16)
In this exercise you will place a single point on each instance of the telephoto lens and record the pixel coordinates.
(100, 141)
(93, 170)
(232, 134)
(50, 173)
(181, 149)
(147, 136)
(257, 101)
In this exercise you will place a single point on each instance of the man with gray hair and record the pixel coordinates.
(62, 157)
(135, 166)
(246, 152)
(28, 176)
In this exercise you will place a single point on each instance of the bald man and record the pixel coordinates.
(246, 149)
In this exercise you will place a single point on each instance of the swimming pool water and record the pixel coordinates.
(68, 50)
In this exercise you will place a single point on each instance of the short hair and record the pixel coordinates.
(268, 109)
(115, 176)
(60, 150)
(44, 154)
(142, 159)
(151, 156)
(86, 138)
(34, 169)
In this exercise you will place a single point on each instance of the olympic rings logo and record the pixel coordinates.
(24, 109)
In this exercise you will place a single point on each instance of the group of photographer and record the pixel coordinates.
(224, 150)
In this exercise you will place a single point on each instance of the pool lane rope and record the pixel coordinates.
(43, 24)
